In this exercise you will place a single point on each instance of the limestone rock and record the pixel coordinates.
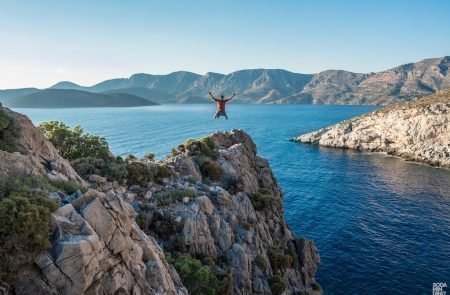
(415, 131)
(35, 155)
(97, 248)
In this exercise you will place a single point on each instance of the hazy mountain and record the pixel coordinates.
(68, 98)
(8, 94)
(279, 86)
(146, 93)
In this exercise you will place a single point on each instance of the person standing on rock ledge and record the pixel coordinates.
(221, 105)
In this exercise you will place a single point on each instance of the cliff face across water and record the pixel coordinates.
(415, 131)
(215, 201)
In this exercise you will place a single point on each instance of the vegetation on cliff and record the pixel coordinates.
(73, 143)
(24, 220)
(208, 205)
(9, 131)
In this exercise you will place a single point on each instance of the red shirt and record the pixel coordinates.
(221, 104)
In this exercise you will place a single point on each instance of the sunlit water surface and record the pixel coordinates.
(382, 225)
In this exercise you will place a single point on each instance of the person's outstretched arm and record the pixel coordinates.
(234, 94)
(210, 94)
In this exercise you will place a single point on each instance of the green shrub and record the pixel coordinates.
(141, 221)
(280, 262)
(140, 173)
(68, 187)
(262, 199)
(9, 131)
(165, 226)
(24, 228)
(198, 278)
(25, 184)
(163, 171)
(72, 143)
(261, 263)
(209, 168)
(205, 146)
(278, 284)
(172, 196)
(111, 168)
(149, 156)
(294, 259)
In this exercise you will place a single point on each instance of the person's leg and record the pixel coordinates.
(216, 116)
(226, 116)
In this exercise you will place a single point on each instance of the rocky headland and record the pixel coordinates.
(416, 131)
(210, 215)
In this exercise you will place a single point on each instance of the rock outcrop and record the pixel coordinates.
(35, 154)
(217, 201)
(97, 248)
(237, 221)
(415, 131)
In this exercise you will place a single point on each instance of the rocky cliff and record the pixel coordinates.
(31, 153)
(216, 201)
(415, 131)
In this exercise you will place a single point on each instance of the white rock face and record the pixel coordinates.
(36, 154)
(224, 225)
(415, 131)
(98, 249)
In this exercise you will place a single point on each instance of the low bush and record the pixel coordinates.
(172, 196)
(73, 143)
(163, 171)
(140, 173)
(278, 284)
(24, 220)
(209, 168)
(141, 221)
(68, 187)
(111, 168)
(204, 146)
(279, 262)
(261, 263)
(198, 278)
(9, 131)
(25, 184)
(262, 199)
(165, 226)
(149, 156)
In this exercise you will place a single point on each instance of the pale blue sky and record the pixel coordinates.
(43, 42)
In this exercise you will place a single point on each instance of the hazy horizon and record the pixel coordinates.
(46, 42)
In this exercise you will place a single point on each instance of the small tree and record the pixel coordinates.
(197, 277)
(73, 143)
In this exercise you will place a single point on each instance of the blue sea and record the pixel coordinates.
(382, 225)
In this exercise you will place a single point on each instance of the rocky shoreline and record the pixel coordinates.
(417, 131)
(120, 238)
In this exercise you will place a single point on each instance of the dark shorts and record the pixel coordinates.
(220, 113)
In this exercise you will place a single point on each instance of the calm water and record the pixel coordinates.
(382, 225)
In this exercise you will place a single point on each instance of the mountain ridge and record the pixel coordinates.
(278, 86)
(71, 98)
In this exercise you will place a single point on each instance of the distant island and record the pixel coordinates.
(276, 86)
(68, 98)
